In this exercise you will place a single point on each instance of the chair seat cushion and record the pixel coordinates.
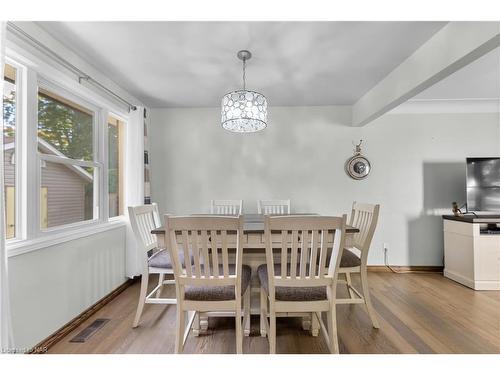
(218, 293)
(285, 293)
(349, 259)
(161, 259)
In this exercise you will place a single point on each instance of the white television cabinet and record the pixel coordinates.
(472, 251)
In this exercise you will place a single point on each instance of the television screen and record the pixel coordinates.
(483, 184)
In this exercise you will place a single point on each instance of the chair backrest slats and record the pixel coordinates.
(293, 259)
(284, 252)
(364, 217)
(303, 254)
(274, 207)
(314, 253)
(204, 249)
(367, 216)
(205, 235)
(226, 207)
(215, 252)
(225, 257)
(323, 253)
(143, 219)
(309, 238)
(196, 252)
(187, 256)
(336, 255)
(142, 224)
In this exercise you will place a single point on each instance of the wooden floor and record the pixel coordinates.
(418, 313)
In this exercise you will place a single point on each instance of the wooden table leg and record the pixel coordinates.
(306, 322)
(196, 325)
(314, 325)
(203, 323)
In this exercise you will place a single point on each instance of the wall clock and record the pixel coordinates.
(357, 166)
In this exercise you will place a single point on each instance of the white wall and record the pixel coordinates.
(417, 159)
(51, 286)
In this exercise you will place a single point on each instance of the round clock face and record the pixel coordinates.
(358, 167)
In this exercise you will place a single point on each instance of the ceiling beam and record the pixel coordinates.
(454, 46)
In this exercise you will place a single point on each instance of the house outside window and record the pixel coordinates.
(66, 144)
(9, 147)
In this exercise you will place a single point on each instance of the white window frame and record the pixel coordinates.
(125, 120)
(20, 203)
(43, 83)
(34, 73)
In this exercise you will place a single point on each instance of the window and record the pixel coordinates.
(115, 166)
(63, 156)
(68, 169)
(9, 142)
(64, 127)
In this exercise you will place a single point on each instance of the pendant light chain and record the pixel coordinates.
(244, 74)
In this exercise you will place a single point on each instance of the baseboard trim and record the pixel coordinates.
(62, 332)
(459, 278)
(421, 269)
(473, 284)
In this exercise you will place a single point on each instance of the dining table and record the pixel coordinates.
(254, 255)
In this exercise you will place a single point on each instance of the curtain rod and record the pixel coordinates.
(82, 76)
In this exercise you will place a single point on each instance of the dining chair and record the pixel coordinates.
(154, 260)
(211, 283)
(304, 281)
(274, 207)
(226, 207)
(354, 259)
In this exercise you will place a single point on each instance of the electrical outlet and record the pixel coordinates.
(386, 248)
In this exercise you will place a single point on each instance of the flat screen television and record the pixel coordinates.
(483, 185)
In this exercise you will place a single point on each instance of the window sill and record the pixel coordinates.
(25, 246)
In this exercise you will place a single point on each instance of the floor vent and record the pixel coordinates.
(87, 332)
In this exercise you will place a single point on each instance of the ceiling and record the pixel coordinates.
(478, 80)
(192, 64)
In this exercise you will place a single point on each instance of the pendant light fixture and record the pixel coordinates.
(244, 111)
